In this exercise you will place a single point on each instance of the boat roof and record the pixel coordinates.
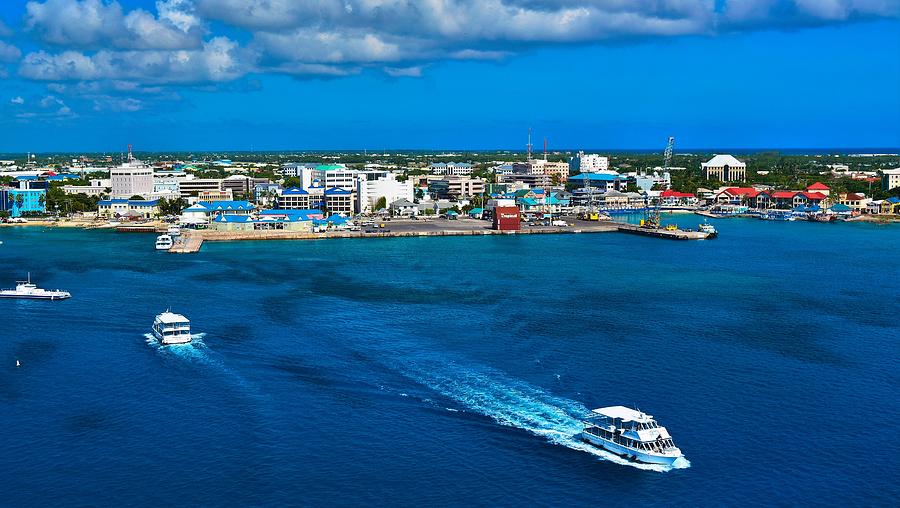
(170, 317)
(623, 413)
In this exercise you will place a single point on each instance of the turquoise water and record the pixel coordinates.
(453, 371)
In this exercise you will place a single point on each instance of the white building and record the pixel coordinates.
(588, 163)
(133, 178)
(374, 185)
(890, 179)
(451, 168)
(724, 168)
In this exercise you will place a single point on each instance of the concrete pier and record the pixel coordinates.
(662, 233)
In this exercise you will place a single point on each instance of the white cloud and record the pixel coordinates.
(404, 72)
(118, 104)
(9, 53)
(17, 100)
(216, 61)
(103, 24)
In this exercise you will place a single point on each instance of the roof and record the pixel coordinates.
(233, 218)
(784, 194)
(337, 191)
(623, 413)
(669, 193)
(840, 208)
(854, 197)
(722, 160)
(476, 210)
(595, 177)
(294, 191)
(225, 205)
(814, 195)
(169, 318)
(817, 186)
(330, 167)
(402, 202)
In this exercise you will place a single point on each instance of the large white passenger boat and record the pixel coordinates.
(171, 328)
(631, 434)
(164, 242)
(25, 289)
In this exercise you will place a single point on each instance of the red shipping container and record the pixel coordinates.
(506, 218)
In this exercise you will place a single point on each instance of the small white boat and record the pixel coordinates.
(164, 242)
(630, 434)
(170, 328)
(709, 229)
(25, 289)
(174, 230)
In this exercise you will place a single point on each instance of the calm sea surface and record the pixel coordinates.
(453, 371)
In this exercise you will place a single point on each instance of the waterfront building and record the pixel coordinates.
(129, 208)
(724, 168)
(646, 181)
(18, 202)
(372, 186)
(672, 198)
(338, 200)
(308, 214)
(745, 196)
(856, 202)
(229, 222)
(890, 179)
(133, 178)
(588, 163)
(203, 212)
(451, 168)
(294, 198)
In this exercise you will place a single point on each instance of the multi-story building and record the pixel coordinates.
(133, 178)
(215, 195)
(457, 187)
(18, 202)
(558, 171)
(451, 168)
(192, 187)
(241, 184)
(338, 200)
(890, 179)
(372, 186)
(587, 163)
(118, 207)
(294, 198)
(724, 168)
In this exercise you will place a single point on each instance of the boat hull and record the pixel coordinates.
(170, 341)
(36, 297)
(638, 455)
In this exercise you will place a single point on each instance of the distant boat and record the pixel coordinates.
(709, 229)
(630, 434)
(28, 291)
(164, 242)
(170, 328)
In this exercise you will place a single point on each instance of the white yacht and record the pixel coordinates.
(170, 328)
(27, 290)
(164, 242)
(631, 434)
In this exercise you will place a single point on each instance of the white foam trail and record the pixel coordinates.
(516, 404)
(195, 350)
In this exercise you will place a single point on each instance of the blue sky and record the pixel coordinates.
(453, 74)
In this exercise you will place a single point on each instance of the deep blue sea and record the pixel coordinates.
(453, 371)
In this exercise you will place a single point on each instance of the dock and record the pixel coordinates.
(677, 234)
(187, 243)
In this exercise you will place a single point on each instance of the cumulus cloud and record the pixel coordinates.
(95, 24)
(217, 60)
(17, 100)
(49, 106)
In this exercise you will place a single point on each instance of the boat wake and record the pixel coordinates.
(516, 404)
(194, 351)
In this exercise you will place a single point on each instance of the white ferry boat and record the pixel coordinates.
(170, 328)
(27, 290)
(631, 434)
(164, 242)
(709, 229)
